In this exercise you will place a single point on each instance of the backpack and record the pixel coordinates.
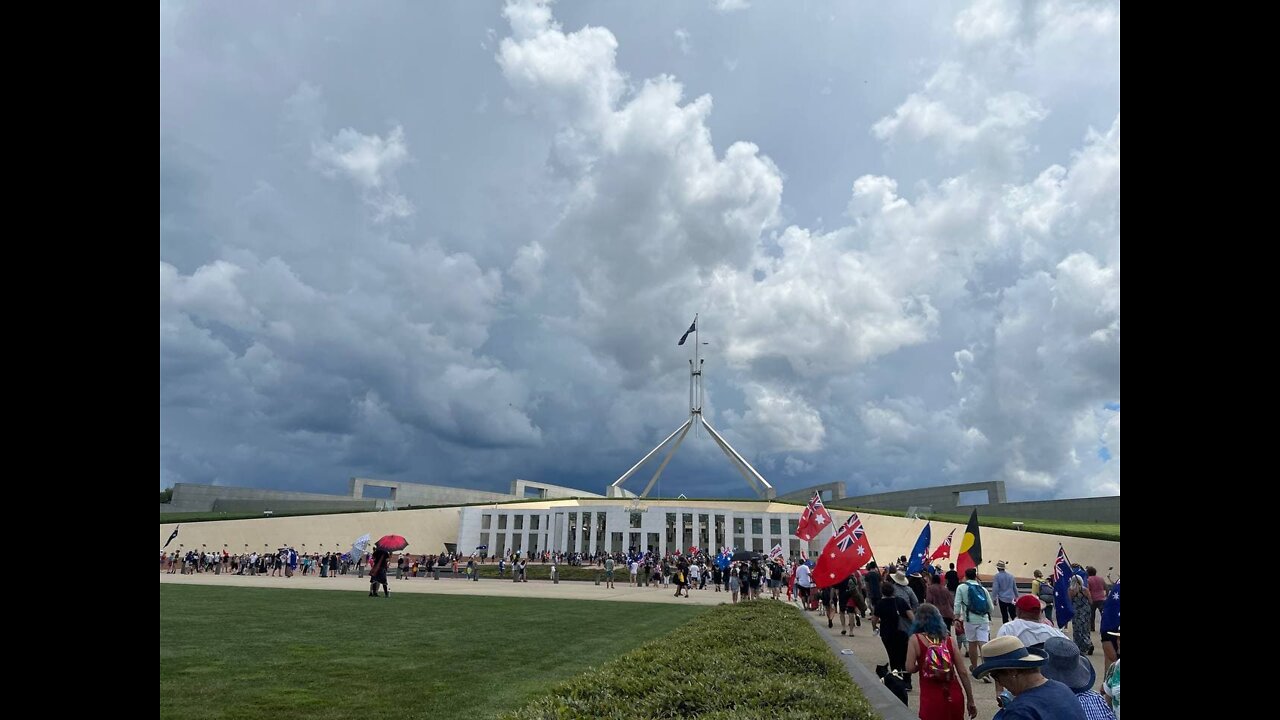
(937, 663)
(1046, 591)
(977, 596)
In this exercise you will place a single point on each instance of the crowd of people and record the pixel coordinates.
(938, 626)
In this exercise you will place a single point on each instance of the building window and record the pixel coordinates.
(757, 545)
(792, 526)
(775, 526)
(486, 521)
(533, 522)
(519, 522)
(739, 527)
(502, 521)
(757, 526)
(671, 531)
(484, 540)
(635, 519)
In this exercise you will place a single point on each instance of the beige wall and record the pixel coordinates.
(1024, 551)
(428, 530)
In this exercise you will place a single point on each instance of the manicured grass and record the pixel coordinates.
(759, 659)
(278, 654)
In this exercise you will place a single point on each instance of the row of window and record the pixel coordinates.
(739, 524)
(497, 544)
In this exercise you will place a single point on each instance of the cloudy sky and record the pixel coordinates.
(457, 242)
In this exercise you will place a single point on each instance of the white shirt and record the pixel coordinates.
(1029, 632)
(802, 576)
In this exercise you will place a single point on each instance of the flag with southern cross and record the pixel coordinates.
(1063, 610)
(920, 551)
(846, 551)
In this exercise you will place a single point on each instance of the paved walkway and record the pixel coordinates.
(566, 590)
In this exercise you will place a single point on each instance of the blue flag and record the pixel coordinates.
(171, 537)
(1111, 612)
(920, 551)
(692, 326)
(724, 559)
(1063, 610)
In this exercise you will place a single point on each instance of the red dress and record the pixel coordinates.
(939, 700)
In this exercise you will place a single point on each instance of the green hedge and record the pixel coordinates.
(758, 659)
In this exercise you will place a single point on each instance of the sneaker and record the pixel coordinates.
(844, 632)
(876, 632)
(857, 620)
(829, 623)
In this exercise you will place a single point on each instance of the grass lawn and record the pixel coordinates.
(265, 653)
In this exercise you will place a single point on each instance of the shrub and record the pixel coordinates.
(758, 659)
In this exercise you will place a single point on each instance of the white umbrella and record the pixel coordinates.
(358, 547)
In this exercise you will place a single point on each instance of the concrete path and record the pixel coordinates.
(566, 590)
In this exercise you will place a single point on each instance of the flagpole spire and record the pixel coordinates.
(696, 421)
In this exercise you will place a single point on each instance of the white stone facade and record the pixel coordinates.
(620, 528)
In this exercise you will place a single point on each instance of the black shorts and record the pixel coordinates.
(828, 596)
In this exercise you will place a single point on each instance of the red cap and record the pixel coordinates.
(1029, 603)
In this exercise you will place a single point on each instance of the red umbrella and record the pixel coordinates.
(392, 543)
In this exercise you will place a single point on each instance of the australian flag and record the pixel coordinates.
(1111, 612)
(724, 559)
(1063, 610)
(171, 537)
(692, 327)
(920, 551)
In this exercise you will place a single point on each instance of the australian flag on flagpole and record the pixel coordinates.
(171, 537)
(692, 327)
(1063, 610)
(920, 551)
(1111, 612)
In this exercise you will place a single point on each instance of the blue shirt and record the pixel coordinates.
(1050, 701)
(1005, 586)
(1095, 706)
